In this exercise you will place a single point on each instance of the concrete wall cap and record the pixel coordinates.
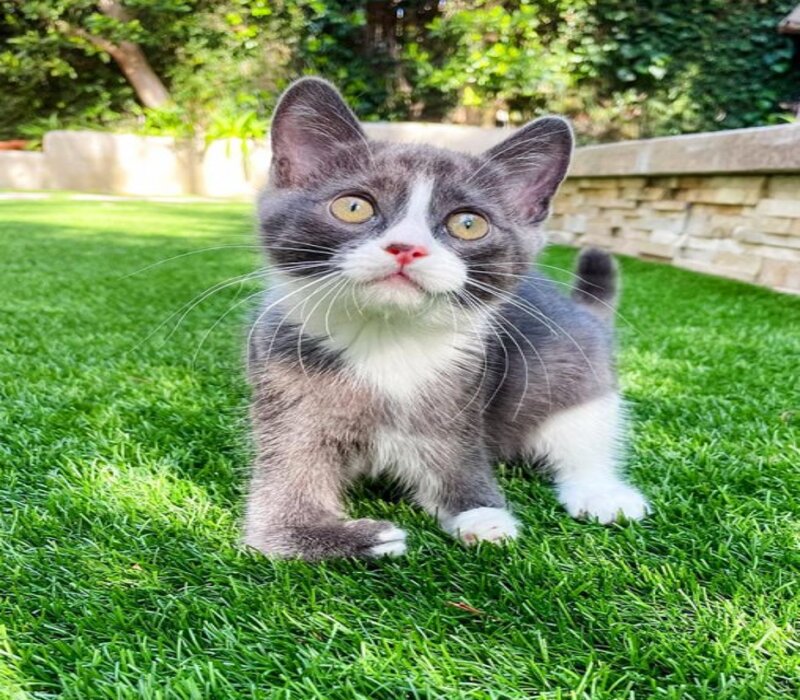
(763, 149)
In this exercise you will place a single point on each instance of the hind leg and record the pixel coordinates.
(582, 446)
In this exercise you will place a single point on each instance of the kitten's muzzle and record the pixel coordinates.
(405, 253)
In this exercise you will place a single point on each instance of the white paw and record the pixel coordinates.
(605, 502)
(393, 543)
(483, 525)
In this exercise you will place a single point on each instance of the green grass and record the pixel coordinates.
(124, 449)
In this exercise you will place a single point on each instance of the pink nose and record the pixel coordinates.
(405, 253)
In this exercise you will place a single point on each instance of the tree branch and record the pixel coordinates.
(130, 58)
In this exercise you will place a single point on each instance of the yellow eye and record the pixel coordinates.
(467, 225)
(352, 209)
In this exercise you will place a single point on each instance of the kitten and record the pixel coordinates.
(406, 334)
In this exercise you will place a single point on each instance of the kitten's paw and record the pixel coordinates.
(392, 543)
(483, 525)
(605, 502)
(330, 539)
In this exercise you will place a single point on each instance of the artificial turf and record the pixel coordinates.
(124, 450)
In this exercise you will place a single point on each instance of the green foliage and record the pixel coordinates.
(124, 451)
(169, 120)
(694, 66)
(213, 56)
(619, 68)
(496, 54)
(333, 45)
(242, 125)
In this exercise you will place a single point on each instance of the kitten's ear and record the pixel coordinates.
(535, 159)
(312, 126)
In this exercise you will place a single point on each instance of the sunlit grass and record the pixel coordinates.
(123, 451)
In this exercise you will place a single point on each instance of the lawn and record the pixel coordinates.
(124, 449)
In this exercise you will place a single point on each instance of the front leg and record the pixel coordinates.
(295, 501)
(581, 445)
(294, 510)
(453, 481)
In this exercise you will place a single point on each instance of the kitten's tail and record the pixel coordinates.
(596, 283)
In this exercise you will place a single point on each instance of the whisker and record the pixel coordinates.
(300, 267)
(336, 284)
(305, 248)
(536, 314)
(342, 288)
(183, 255)
(194, 302)
(509, 299)
(569, 285)
(208, 332)
(613, 309)
(524, 392)
(485, 355)
(238, 303)
(269, 307)
(506, 359)
(509, 324)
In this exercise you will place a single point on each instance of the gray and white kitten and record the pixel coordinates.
(406, 334)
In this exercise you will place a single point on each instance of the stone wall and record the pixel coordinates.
(726, 204)
(741, 226)
(24, 170)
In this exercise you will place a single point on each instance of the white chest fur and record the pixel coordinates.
(399, 357)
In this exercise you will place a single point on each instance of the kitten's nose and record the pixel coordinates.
(405, 253)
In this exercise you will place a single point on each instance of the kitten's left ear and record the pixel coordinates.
(535, 159)
(313, 130)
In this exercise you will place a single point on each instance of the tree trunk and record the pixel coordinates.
(128, 56)
(140, 74)
(132, 61)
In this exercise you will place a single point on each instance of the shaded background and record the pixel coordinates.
(618, 68)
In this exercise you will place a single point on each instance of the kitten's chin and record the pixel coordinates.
(394, 292)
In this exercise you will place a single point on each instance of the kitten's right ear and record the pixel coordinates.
(311, 127)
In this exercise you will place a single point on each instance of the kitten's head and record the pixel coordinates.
(403, 228)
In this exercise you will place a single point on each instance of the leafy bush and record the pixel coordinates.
(619, 68)
(694, 66)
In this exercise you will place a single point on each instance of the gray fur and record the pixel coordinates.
(596, 285)
(315, 427)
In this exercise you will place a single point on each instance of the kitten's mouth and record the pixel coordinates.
(400, 279)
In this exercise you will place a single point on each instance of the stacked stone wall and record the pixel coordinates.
(742, 226)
